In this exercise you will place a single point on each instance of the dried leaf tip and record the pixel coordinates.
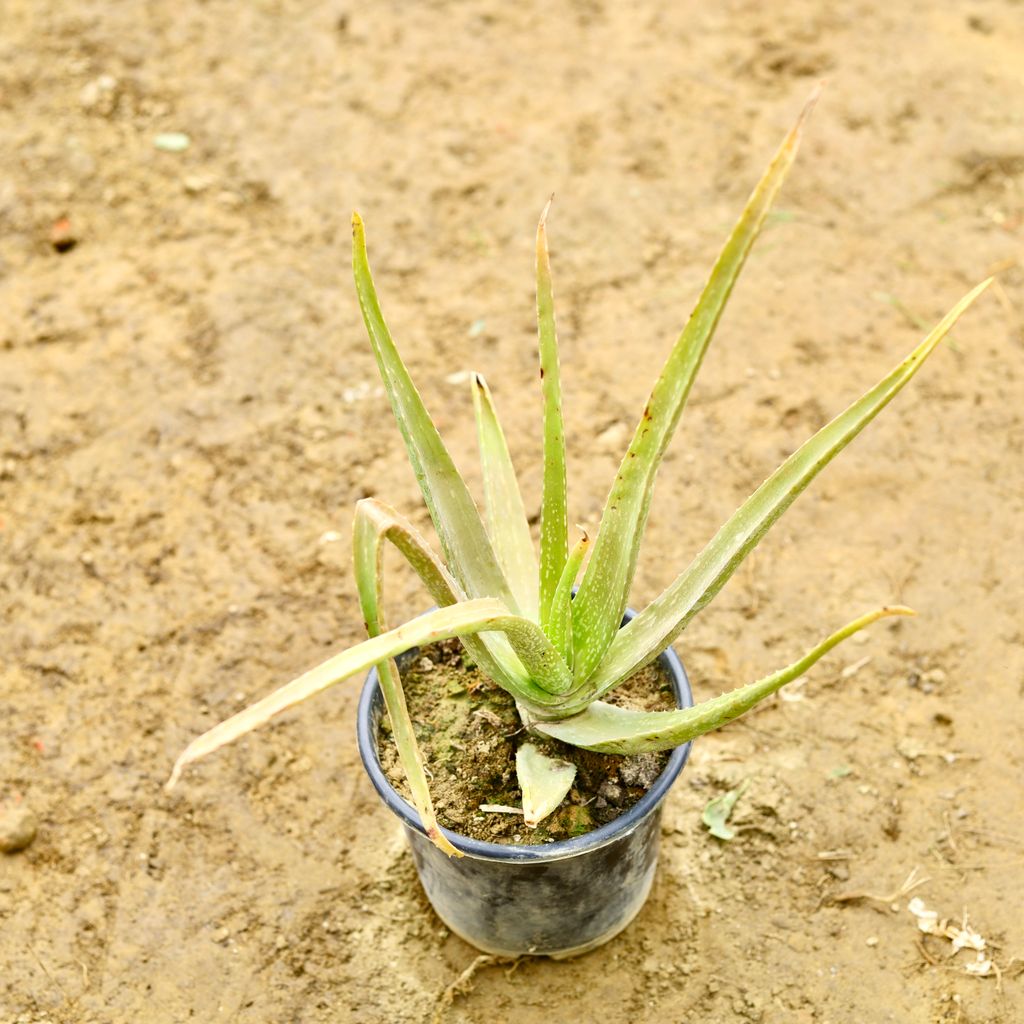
(897, 609)
(541, 224)
(175, 776)
(793, 139)
(813, 98)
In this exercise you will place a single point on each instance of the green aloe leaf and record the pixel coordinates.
(554, 530)
(506, 516)
(604, 590)
(463, 538)
(544, 781)
(560, 618)
(479, 615)
(614, 730)
(664, 619)
(375, 521)
(503, 657)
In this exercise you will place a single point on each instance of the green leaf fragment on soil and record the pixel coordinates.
(719, 810)
(172, 142)
(544, 782)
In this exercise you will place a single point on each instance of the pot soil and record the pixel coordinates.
(562, 889)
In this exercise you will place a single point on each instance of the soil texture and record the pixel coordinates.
(468, 731)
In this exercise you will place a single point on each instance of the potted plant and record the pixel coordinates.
(552, 632)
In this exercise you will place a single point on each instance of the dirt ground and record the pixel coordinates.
(189, 410)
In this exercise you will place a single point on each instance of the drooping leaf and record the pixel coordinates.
(604, 590)
(613, 730)
(495, 653)
(369, 564)
(719, 810)
(467, 617)
(554, 529)
(464, 540)
(544, 781)
(665, 618)
(506, 515)
(376, 521)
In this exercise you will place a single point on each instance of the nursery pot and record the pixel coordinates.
(558, 899)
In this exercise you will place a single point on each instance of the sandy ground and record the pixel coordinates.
(188, 404)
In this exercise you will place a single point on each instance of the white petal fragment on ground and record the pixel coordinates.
(544, 781)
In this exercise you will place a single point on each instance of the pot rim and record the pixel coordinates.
(560, 849)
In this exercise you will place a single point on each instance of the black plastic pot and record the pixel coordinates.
(559, 899)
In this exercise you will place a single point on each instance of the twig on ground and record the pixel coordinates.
(910, 884)
(463, 984)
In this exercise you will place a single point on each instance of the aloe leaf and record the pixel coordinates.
(718, 811)
(506, 515)
(375, 521)
(369, 565)
(664, 619)
(503, 657)
(554, 530)
(614, 730)
(463, 538)
(604, 590)
(560, 619)
(467, 617)
(544, 781)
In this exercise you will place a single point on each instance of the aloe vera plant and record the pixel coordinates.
(514, 611)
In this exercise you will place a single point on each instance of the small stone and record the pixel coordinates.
(872, 940)
(100, 95)
(196, 183)
(838, 871)
(611, 792)
(62, 237)
(640, 770)
(18, 829)
(221, 935)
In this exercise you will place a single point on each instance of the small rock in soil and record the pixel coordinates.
(611, 792)
(17, 829)
(640, 770)
(62, 236)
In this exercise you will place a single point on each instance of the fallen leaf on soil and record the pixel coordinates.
(500, 809)
(717, 812)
